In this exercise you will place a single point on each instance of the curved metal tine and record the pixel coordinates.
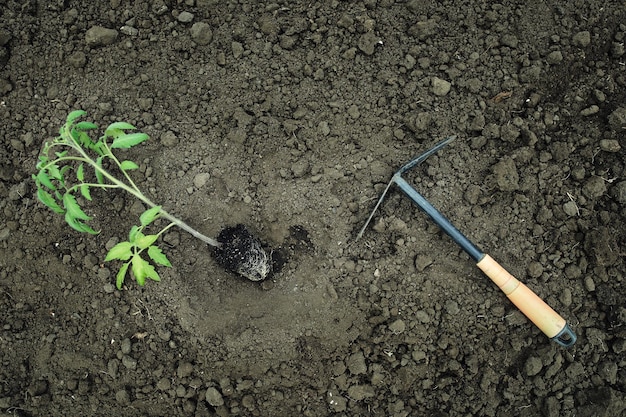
(369, 219)
(410, 165)
(418, 160)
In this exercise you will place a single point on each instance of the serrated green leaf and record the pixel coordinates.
(143, 241)
(73, 209)
(117, 129)
(49, 201)
(75, 115)
(99, 148)
(121, 275)
(128, 165)
(43, 160)
(80, 173)
(122, 251)
(149, 215)
(82, 138)
(99, 176)
(128, 140)
(54, 172)
(85, 126)
(64, 169)
(61, 154)
(155, 253)
(79, 226)
(141, 269)
(132, 234)
(44, 179)
(84, 191)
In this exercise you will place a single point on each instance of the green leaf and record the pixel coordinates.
(121, 251)
(80, 173)
(128, 140)
(132, 234)
(155, 253)
(100, 148)
(154, 275)
(128, 165)
(82, 138)
(149, 215)
(49, 201)
(73, 209)
(84, 190)
(54, 172)
(75, 115)
(142, 270)
(64, 169)
(99, 175)
(143, 241)
(121, 275)
(79, 226)
(117, 129)
(43, 160)
(85, 126)
(44, 179)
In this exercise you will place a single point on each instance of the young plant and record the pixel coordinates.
(61, 177)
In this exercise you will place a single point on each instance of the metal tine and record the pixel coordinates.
(418, 160)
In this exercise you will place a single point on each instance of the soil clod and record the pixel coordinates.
(243, 253)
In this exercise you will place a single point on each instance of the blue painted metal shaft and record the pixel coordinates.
(439, 219)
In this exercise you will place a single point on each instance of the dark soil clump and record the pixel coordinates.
(242, 253)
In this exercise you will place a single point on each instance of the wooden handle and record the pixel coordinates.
(533, 307)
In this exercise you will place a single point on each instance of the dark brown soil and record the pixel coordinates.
(290, 117)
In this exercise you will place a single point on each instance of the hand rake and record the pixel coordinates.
(533, 307)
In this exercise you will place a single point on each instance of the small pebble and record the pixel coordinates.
(122, 397)
(360, 392)
(533, 366)
(100, 36)
(397, 326)
(566, 297)
(214, 397)
(440, 87)
(126, 346)
(610, 145)
(593, 109)
(582, 39)
(617, 119)
(201, 179)
(185, 17)
(535, 269)
(422, 316)
(356, 363)
(202, 34)
(129, 362)
(452, 307)
(554, 57)
(129, 30)
(571, 209)
(164, 384)
(590, 285)
(184, 370)
(422, 262)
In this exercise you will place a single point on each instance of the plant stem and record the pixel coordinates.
(138, 194)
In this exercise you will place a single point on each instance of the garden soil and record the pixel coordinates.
(290, 117)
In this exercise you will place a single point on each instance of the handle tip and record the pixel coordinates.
(566, 337)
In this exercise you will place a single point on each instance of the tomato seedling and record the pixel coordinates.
(62, 175)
